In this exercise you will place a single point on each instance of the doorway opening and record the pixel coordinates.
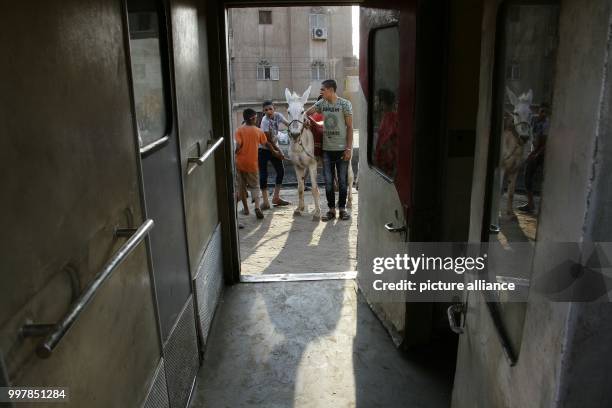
(275, 54)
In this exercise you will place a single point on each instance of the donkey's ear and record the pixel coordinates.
(287, 94)
(305, 95)
(530, 96)
(512, 96)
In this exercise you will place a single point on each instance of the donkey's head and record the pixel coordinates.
(521, 114)
(295, 111)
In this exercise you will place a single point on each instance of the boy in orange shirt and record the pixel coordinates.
(248, 138)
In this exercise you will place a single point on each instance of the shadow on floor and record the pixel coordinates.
(313, 344)
(283, 243)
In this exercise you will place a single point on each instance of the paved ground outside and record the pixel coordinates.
(282, 243)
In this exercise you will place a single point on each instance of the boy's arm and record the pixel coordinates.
(271, 145)
(349, 137)
(316, 107)
(283, 119)
(238, 139)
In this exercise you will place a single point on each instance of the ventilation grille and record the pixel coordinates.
(181, 355)
(158, 394)
(209, 283)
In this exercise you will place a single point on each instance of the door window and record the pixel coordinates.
(147, 70)
(383, 117)
(524, 89)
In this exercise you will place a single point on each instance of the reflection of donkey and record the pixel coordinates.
(301, 150)
(516, 132)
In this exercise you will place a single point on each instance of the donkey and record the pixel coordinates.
(302, 150)
(516, 132)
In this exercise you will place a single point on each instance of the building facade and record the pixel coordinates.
(287, 47)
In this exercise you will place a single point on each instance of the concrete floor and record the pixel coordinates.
(312, 344)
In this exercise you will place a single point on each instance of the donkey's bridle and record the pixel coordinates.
(298, 139)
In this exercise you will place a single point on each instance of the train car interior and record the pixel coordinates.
(132, 276)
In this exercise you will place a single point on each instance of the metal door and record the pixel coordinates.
(70, 189)
(200, 155)
(400, 172)
(179, 179)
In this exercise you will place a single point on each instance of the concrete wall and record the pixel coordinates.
(288, 44)
(559, 356)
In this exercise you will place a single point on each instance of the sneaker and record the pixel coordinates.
(258, 214)
(330, 215)
(344, 215)
(280, 203)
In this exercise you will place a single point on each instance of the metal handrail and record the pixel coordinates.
(151, 146)
(200, 160)
(52, 339)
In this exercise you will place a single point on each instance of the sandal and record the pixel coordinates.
(330, 215)
(344, 215)
(258, 214)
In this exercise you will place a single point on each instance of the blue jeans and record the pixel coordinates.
(332, 163)
(264, 156)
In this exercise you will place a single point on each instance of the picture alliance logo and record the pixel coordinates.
(406, 263)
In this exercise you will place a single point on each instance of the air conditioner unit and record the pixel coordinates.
(319, 33)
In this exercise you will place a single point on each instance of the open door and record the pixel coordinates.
(399, 176)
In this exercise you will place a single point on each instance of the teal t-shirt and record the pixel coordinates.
(334, 135)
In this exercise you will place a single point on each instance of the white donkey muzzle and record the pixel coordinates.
(295, 128)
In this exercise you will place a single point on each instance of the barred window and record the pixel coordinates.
(318, 21)
(318, 71)
(267, 72)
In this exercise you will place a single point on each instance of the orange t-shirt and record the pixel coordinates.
(249, 138)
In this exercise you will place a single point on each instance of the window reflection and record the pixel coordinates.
(525, 86)
(384, 117)
(147, 72)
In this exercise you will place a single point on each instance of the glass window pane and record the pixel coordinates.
(147, 72)
(519, 141)
(384, 126)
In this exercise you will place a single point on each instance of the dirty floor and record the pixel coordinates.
(312, 344)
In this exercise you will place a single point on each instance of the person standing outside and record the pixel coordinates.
(337, 144)
(269, 125)
(248, 138)
(535, 160)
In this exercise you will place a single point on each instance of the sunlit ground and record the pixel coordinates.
(282, 243)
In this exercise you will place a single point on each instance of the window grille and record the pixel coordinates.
(318, 21)
(267, 72)
(318, 71)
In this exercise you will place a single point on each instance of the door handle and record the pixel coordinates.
(452, 312)
(389, 227)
